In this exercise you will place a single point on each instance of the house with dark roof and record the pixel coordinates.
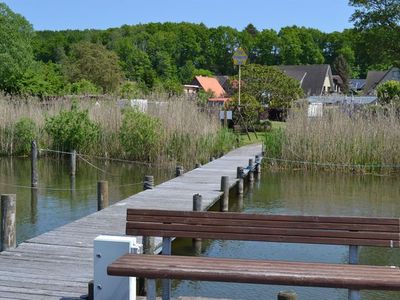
(375, 78)
(315, 80)
(357, 85)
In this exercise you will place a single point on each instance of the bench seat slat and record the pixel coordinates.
(241, 216)
(217, 221)
(250, 230)
(256, 271)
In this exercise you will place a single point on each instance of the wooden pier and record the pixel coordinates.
(59, 263)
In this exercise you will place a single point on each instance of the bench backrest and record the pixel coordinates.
(359, 231)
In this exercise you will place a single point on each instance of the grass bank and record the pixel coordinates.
(366, 140)
(172, 130)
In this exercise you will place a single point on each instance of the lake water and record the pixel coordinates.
(303, 193)
(298, 192)
(55, 203)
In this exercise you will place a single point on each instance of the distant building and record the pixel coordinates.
(315, 80)
(357, 85)
(213, 86)
(375, 78)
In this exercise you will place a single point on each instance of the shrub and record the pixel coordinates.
(389, 92)
(25, 133)
(140, 134)
(72, 130)
(83, 87)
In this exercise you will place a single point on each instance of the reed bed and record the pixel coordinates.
(186, 135)
(364, 140)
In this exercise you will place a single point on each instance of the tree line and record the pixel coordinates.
(162, 56)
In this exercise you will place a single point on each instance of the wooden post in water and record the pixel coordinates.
(102, 195)
(148, 183)
(197, 199)
(179, 171)
(34, 170)
(8, 222)
(258, 164)
(224, 202)
(72, 163)
(287, 296)
(251, 170)
(239, 176)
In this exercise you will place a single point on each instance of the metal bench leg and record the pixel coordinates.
(353, 260)
(151, 289)
(166, 283)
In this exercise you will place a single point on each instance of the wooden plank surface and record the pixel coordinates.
(256, 271)
(58, 264)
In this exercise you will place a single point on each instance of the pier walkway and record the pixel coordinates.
(59, 264)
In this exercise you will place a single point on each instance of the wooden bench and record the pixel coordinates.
(352, 231)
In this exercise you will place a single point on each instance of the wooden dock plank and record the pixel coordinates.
(58, 264)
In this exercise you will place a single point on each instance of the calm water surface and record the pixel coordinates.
(306, 194)
(55, 203)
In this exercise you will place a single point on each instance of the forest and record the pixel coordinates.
(141, 58)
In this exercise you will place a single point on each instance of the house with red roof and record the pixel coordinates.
(211, 85)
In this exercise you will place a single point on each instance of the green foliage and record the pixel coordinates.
(273, 143)
(131, 90)
(270, 86)
(389, 92)
(72, 130)
(43, 80)
(83, 87)
(249, 108)
(16, 54)
(139, 135)
(94, 63)
(25, 133)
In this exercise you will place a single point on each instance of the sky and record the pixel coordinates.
(325, 15)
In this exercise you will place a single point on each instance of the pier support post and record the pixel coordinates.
(239, 176)
(287, 296)
(258, 165)
(148, 183)
(72, 163)
(224, 203)
(166, 283)
(197, 199)
(102, 195)
(34, 170)
(179, 171)
(353, 260)
(251, 170)
(8, 222)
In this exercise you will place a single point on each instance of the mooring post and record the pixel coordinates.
(72, 163)
(287, 295)
(251, 170)
(258, 164)
(8, 238)
(179, 171)
(239, 176)
(353, 260)
(34, 170)
(197, 199)
(224, 203)
(166, 283)
(148, 183)
(102, 195)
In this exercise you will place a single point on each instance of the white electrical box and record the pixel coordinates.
(106, 250)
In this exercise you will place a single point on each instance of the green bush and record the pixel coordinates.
(25, 133)
(72, 130)
(140, 134)
(83, 87)
(389, 92)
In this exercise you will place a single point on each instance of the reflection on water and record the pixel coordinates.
(303, 193)
(60, 198)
